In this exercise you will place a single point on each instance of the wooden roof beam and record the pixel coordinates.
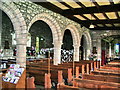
(90, 10)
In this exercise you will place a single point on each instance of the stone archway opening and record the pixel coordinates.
(110, 48)
(83, 48)
(7, 38)
(56, 33)
(67, 47)
(40, 40)
(19, 26)
(86, 46)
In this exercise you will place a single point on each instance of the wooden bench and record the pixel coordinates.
(101, 78)
(105, 73)
(62, 86)
(66, 87)
(39, 76)
(52, 68)
(37, 61)
(110, 68)
(90, 84)
(38, 73)
(30, 83)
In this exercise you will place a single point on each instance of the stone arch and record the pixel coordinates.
(74, 32)
(19, 26)
(15, 16)
(112, 32)
(56, 32)
(54, 26)
(89, 44)
(76, 42)
(88, 39)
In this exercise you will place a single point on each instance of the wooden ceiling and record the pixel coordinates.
(103, 14)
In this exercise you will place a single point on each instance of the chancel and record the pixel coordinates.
(60, 44)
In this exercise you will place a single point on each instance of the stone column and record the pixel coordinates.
(99, 49)
(109, 49)
(21, 49)
(76, 53)
(57, 53)
(84, 55)
(88, 53)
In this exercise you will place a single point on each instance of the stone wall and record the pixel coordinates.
(24, 13)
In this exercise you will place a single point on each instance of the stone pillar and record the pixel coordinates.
(99, 49)
(76, 53)
(84, 55)
(109, 49)
(88, 53)
(21, 49)
(57, 53)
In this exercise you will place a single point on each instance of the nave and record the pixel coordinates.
(51, 44)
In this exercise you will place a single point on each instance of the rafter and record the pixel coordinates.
(50, 6)
(90, 10)
(103, 21)
(106, 28)
(65, 4)
(95, 3)
(107, 18)
(69, 13)
(117, 15)
(79, 3)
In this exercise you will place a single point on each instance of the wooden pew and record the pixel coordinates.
(30, 83)
(110, 68)
(47, 81)
(52, 68)
(61, 85)
(39, 76)
(66, 87)
(101, 78)
(105, 73)
(115, 62)
(39, 61)
(90, 84)
(39, 69)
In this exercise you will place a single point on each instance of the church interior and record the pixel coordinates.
(60, 44)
